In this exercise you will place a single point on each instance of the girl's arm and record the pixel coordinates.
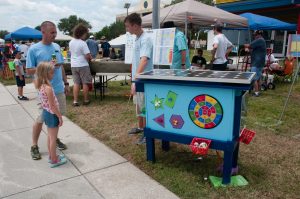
(52, 104)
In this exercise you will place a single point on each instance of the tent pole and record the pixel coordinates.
(186, 25)
(155, 16)
(295, 77)
(238, 47)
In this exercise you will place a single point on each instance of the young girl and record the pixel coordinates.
(51, 114)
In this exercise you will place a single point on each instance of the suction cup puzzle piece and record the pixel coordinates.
(176, 121)
(235, 181)
(158, 102)
(160, 120)
(171, 99)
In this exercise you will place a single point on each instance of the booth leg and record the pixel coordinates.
(235, 156)
(95, 88)
(101, 86)
(228, 156)
(165, 145)
(150, 146)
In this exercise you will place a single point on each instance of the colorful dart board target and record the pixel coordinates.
(205, 111)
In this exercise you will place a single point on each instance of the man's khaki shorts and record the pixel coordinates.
(82, 75)
(61, 98)
(139, 101)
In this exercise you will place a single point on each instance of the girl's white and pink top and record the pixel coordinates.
(45, 101)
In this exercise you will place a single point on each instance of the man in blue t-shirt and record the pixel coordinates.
(181, 55)
(46, 51)
(93, 46)
(141, 62)
(258, 54)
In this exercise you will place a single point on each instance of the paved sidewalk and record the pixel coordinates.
(93, 170)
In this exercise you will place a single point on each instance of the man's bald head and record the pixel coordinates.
(46, 24)
(49, 32)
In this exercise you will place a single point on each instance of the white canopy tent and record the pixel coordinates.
(121, 40)
(62, 37)
(196, 13)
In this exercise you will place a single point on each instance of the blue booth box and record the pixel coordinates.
(185, 104)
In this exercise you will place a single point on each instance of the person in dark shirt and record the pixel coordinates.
(113, 54)
(258, 52)
(105, 47)
(198, 61)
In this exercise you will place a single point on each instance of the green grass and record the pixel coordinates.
(7, 82)
(270, 163)
(12, 81)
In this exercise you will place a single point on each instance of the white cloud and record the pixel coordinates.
(18, 13)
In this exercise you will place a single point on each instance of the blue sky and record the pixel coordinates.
(18, 13)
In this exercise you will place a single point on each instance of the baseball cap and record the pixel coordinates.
(218, 24)
(103, 37)
(92, 36)
(16, 52)
(258, 32)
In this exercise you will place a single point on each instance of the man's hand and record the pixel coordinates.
(133, 92)
(67, 89)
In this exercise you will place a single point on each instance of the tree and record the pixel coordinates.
(112, 31)
(3, 33)
(38, 27)
(66, 25)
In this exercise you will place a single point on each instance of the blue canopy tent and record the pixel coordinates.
(24, 33)
(258, 22)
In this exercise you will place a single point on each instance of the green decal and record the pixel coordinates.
(158, 102)
(171, 99)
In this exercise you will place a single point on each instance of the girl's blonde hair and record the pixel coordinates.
(42, 72)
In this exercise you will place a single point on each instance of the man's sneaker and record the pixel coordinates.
(59, 162)
(135, 131)
(35, 154)
(60, 145)
(255, 94)
(141, 141)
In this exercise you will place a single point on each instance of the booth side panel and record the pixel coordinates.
(171, 108)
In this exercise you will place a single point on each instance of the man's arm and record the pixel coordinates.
(183, 58)
(229, 49)
(88, 57)
(142, 65)
(66, 83)
(31, 62)
(213, 52)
